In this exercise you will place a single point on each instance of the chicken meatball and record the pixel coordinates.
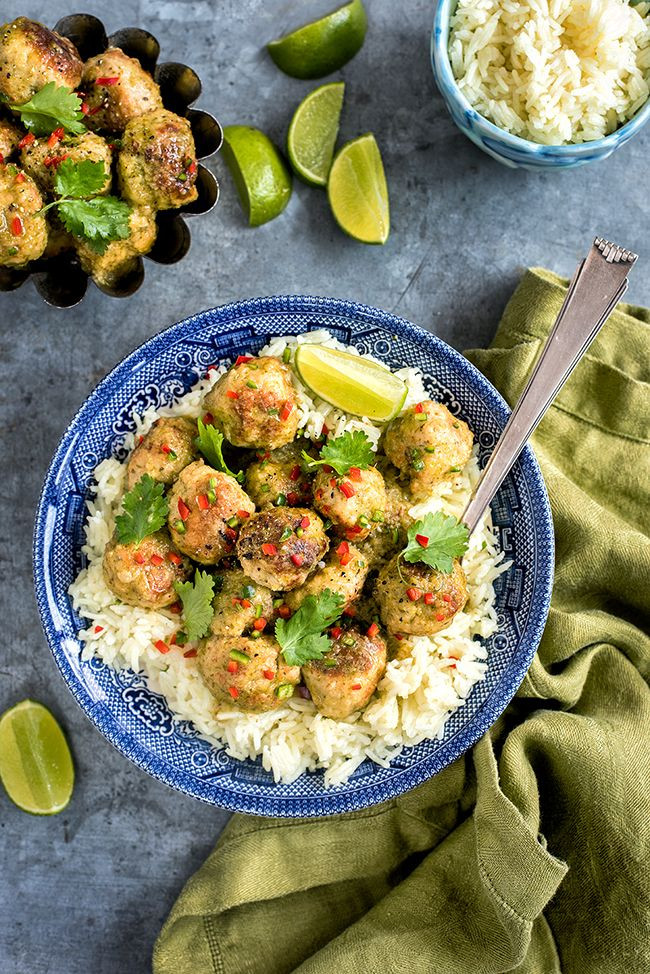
(240, 605)
(121, 256)
(205, 509)
(144, 574)
(32, 55)
(157, 164)
(344, 572)
(249, 673)
(255, 403)
(10, 136)
(345, 679)
(418, 600)
(280, 546)
(117, 90)
(277, 477)
(163, 452)
(23, 231)
(41, 159)
(356, 505)
(428, 444)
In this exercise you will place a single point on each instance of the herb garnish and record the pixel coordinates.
(197, 598)
(145, 511)
(54, 106)
(351, 449)
(436, 540)
(98, 219)
(301, 637)
(210, 443)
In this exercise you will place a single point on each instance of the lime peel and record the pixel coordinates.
(261, 177)
(35, 763)
(322, 46)
(356, 385)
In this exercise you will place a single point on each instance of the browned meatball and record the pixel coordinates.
(240, 604)
(32, 55)
(278, 477)
(10, 136)
(344, 572)
(157, 164)
(144, 574)
(23, 232)
(382, 544)
(417, 599)
(428, 444)
(205, 509)
(163, 452)
(249, 673)
(41, 159)
(121, 256)
(346, 678)
(117, 89)
(356, 505)
(280, 546)
(255, 404)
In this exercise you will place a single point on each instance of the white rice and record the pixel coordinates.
(416, 695)
(552, 71)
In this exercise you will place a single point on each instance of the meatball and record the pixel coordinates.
(23, 231)
(381, 544)
(345, 679)
(428, 444)
(249, 673)
(280, 546)
(163, 452)
(144, 574)
(205, 508)
(117, 90)
(32, 55)
(255, 403)
(240, 605)
(398, 501)
(10, 136)
(356, 505)
(278, 477)
(121, 256)
(59, 240)
(157, 164)
(418, 600)
(41, 159)
(344, 572)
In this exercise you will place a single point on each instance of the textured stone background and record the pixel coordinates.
(88, 890)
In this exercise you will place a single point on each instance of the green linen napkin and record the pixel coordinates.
(531, 854)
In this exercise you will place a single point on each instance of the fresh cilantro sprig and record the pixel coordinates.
(98, 219)
(53, 107)
(210, 443)
(436, 540)
(301, 637)
(351, 449)
(197, 598)
(145, 511)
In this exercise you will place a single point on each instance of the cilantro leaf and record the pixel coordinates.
(301, 637)
(351, 449)
(196, 597)
(445, 537)
(145, 511)
(53, 107)
(210, 443)
(99, 220)
(80, 179)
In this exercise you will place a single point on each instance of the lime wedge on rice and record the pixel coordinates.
(356, 385)
(358, 193)
(262, 178)
(324, 45)
(312, 133)
(35, 763)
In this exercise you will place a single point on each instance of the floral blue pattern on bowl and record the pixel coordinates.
(137, 721)
(511, 150)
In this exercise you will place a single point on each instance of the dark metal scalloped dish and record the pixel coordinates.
(60, 280)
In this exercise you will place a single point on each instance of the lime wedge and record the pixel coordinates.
(262, 178)
(323, 46)
(313, 131)
(35, 763)
(358, 193)
(356, 385)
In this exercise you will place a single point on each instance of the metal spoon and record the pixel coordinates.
(597, 285)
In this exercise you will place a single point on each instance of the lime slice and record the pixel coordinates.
(313, 131)
(35, 762)
(356, 385)
(358, 193)
(323, 46)
(262, 179)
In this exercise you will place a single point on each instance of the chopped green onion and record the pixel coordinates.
(265, 488)
(239, 656)
(232, 522)
(258, 610)
(273, 411)
(327, 525)
(211, 495)
(363, 521)
(286, 355)
(180, 526)
(284, 690)
(255, 634)
(277, 603)
(281, 500)
(181, 638)
(456, 426)
(248, 591)
(377, 516)
(454, 470)
(213, 482)
(329, 662)
(348, 641)
(430, 449)
(286, 534)
(251, 385)
(299, 532)
(12, 251)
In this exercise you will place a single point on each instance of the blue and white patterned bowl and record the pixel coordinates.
(511, 150)
(138, 721)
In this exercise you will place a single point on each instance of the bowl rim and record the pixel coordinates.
(444, 75)
(335, 801)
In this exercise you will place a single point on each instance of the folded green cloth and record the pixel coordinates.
(532, 853)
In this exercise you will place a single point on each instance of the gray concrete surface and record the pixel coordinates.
(88, 890)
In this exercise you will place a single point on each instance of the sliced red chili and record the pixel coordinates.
(243, 514)
(260, 624)
(355, 686)
(20, 177)
(429, 598)
(398, 636)
(203, 502)
(234, 692)
(55, 137)
(156, 560)
(269, 674)
(343, 548)
(354, 473)
(232, 394)
(413, 593)
(422, 540)
(350, 611)
(419, 408)
(84, 107)
(335, 632)
(269, 549)
(183, 509)
(373, 629)
(325, 431)
(284, 612)
(297, 559)
(166, 448)
(161, 646)
(295, 473)
(347, 489)
(107, 82)
(208, 419)
(345, 560)
(446, 598)
(176, 608)
(139, 558)
(305, 522)
(285, 412)
(190, 654)
(99, 629)
(26, 140)
(440, 617)
(233, 666)
(231, 534)
(16, 226)
(355, 529)
(292, 498)
(192, 168)
(242, 358)
(246, 603)
(174, 558)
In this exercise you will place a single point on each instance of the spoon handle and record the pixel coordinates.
(598, 284)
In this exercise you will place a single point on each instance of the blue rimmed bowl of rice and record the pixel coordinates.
(540, 87)
(430, 707)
